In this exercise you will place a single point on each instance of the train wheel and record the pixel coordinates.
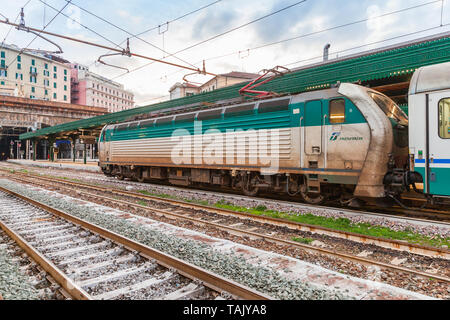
(120, 175)
(140, 177)
(312, 198)
(251, 192)
(247, 187)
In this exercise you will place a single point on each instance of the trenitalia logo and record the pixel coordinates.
(334, 136)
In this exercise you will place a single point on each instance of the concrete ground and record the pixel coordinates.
(68, 164)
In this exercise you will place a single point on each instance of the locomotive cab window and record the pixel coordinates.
(337, 111)
(444, 118)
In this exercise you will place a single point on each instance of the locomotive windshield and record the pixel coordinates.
(390, 108)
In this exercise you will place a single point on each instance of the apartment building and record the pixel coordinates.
(95, 90)
(180, 90)
(33, 75)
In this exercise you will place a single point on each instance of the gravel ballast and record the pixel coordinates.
(14, 285)
(200, 254)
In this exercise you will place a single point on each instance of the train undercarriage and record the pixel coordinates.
(250, 183)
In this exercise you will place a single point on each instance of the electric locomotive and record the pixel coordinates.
(348, 142)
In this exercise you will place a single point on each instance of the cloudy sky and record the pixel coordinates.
(229, 52)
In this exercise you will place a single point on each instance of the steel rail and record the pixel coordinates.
(69, 286)
(272, 239)
(366, 239)
(209, 279)
(351, 211)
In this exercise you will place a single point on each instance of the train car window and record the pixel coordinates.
(243, 110)
(147, 123)
(274, 106)
(337, 111)
(444, 118)
(165, 120)
(209, 115)
(121, 127)
(185, 118)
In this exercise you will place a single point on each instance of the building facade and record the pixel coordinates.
(33, 75)
(180, 90)
(91, 89)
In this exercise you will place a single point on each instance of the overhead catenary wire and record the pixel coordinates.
(325, 30)
(82, 25)
(106, 47)
(301, 36)
(170, 21)
(15, 20)
(224, 33)
(39, 31)
(370, 44)
(127, 32)
(344, 50)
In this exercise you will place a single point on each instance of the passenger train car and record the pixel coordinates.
(347, 143)
(429, 134)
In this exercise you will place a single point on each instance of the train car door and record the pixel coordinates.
(437, 157)
(313, 127)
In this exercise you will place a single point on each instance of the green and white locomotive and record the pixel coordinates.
(348, 143)
(338, 143)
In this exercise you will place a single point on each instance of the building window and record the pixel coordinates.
(65, 98)
(19, 59)
(54, 68)
(32, 62)
(3, 54)
(65, 88)
(3, 64)
(65, 78)
(54, 85)
(46, 66)
(19, 66)
(2, 83)
(65, 72)
(337, 111)
(46, 92)
(33, 79)
(54, 95)
(32, 89)
(444, 118)
(54, 76)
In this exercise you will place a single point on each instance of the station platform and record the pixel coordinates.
(91, 165)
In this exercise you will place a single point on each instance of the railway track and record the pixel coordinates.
(413, 213)
(245, 225)
(90, 262)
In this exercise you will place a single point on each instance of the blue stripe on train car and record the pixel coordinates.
(434, 161)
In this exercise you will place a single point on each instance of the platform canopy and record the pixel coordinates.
(388, 69)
